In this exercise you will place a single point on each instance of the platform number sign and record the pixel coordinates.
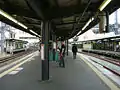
(42, 52)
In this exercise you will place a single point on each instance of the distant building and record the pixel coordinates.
(9, 32)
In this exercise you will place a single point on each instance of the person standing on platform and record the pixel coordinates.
(62, 55)
(63, 47)
(74, 50)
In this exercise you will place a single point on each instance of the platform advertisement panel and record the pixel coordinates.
(54, 45)
(42, 52)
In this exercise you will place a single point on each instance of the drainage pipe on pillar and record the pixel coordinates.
(107, 21)
(102, 22)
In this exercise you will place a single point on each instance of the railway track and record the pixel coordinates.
(110, 60)
(15, 56)
(115, 72)
(101, 57)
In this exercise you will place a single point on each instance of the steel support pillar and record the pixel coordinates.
(107, 21)
(102, 22)
(45, 50)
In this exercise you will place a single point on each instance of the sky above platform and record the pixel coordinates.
(112, 17)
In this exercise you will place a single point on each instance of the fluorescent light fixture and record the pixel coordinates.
(22, 25)
(104, 4)
(89, 21)
(92, 18)
(79, 33)
(7, 16)
(86, 24)
(39, 36)
(33, 32)
(11, 18)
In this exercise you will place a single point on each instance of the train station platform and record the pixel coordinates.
(77, 75)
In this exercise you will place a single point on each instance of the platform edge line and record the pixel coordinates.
(14, 67)
(107, 81)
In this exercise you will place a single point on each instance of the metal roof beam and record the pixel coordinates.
(36, 6)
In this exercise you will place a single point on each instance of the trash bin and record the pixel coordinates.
(50, 55)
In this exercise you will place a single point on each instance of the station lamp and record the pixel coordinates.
(12, 19)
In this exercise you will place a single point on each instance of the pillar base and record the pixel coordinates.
(46, 81)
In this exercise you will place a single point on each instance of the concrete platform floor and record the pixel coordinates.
(77, 75)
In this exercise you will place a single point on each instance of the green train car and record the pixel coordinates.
(15, 45)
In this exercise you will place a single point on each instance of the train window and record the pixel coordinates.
(88, 42)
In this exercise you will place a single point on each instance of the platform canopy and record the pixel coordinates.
(67, 17)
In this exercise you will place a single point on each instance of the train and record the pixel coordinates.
(15, 45)
(110, 44)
